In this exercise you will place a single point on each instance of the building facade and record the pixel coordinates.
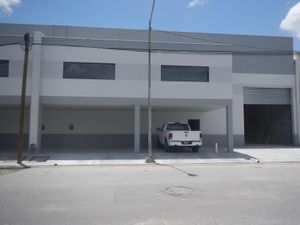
(87, 87)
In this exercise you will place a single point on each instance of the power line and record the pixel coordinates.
(158, 50)
(122, 34)
(101, 37)
(162, 31)
(216, 52)
(218, 42)
(9, 44)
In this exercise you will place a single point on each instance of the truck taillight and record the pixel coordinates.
(170, 137)
(200, 136)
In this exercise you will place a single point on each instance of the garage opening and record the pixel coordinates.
(211, 120)
(267, 116)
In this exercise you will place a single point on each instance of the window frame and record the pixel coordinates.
(184, 80)
(5, 61)
(94, 75)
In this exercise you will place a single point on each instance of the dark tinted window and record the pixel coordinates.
(177, 126)
(185, 73)
(75, 70)
(4, 68)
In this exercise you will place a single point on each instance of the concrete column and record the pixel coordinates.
(229, 127)
(137, 125)
(34, 123)
(238, 114)
(294, 115)
(297, 97)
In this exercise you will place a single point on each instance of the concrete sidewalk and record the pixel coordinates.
(51, 157)
(272, 154)
(60, 157)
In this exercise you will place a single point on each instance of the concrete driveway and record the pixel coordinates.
(272, 153)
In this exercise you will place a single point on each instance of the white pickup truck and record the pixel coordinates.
(179, 135)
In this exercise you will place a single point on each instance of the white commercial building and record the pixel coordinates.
(87, 87)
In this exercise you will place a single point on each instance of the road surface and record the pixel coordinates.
(152, 195)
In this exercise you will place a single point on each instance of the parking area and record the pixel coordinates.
(98, 156)
(119, 156)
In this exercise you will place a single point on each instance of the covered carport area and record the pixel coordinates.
(88, 124)
(86, 149)
(110, 123)
(116, 125)
(214, 117)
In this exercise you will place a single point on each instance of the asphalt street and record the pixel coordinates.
(152, 195)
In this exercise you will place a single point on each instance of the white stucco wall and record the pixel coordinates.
(131, 74)
(131, 82)
(211, 122)
(9, 121)
(132, 65)
(89, 121)
(112, 121)
(15, 55)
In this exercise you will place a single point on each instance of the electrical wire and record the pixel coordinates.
(218, 42)
(102, 37)
(267, 51)
(122, 34)
(212, 52)
(9, 44)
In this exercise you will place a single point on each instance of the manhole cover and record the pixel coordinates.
(39, 158)
(179, 191)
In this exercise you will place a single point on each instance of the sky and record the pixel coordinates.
(252, 17)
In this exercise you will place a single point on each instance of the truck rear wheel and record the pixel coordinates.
(158, 143)
(167, 148)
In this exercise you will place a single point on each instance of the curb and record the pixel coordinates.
(8, 165)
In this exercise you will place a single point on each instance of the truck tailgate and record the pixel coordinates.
(185, 135)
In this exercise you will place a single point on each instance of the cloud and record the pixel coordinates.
(291, 22)
(193, 3)
(7, 5)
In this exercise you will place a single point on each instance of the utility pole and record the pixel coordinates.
(22, 106)
(150, 158)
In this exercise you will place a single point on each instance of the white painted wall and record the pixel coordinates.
(15, 55)
(131, 82)
(132, 65)
(111, 121)
(131, 74)
(88, 121)
(214, 122)
(9, 121)
(121, 121)
(264, 80)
